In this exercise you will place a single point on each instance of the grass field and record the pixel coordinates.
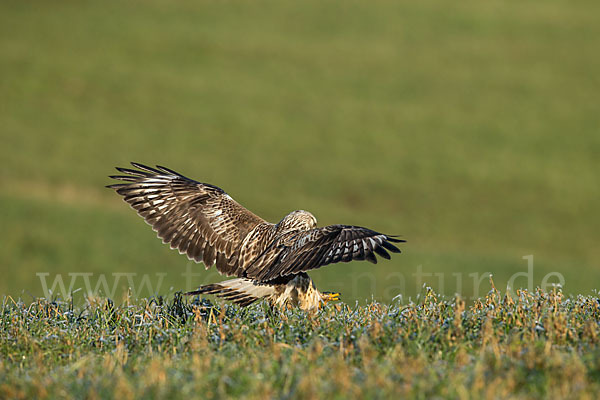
(540, 345)
(471, 129)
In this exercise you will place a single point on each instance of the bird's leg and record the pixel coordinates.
(329, 296)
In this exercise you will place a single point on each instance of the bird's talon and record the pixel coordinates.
(330, 297)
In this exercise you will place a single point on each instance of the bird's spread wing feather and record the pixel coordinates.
(198, 219)
(306, 250)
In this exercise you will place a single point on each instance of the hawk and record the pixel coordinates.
(267, 260)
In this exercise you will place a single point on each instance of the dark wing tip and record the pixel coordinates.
(370, 257)
(167, 170)
(138, 165)
(394, 238)
(142, 170)
(390, 247)
(134, 172)
(381, 251)
(144, 167)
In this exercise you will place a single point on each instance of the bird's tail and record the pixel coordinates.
(240, 291)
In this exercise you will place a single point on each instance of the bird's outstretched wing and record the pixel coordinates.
(198, 219)
(317, 247)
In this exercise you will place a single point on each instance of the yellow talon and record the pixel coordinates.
(330, 297)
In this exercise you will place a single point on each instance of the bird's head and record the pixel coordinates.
(298, 220)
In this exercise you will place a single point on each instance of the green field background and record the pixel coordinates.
(470, 128)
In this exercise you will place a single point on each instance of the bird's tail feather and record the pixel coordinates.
(240, 291)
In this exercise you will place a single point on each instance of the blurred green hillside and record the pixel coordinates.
(471, 129)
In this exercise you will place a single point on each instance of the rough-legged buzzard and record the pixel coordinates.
(268, 260)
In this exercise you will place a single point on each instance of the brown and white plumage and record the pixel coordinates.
(269, 260)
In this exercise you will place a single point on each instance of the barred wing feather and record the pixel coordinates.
(304, 251)
(198, 219)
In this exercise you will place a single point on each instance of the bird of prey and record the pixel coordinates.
(267, 260)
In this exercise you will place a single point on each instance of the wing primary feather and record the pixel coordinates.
(169, 171)
(146, 168)
(370, 257)
(135, 172)
(390, 247)
(382, 252)
(394, 239)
